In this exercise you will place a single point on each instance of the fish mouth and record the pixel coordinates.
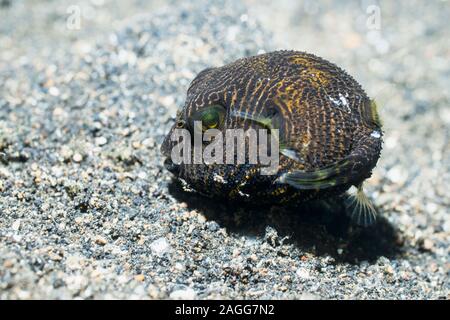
(171, 167)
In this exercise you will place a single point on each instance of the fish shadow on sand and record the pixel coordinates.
(319, 228)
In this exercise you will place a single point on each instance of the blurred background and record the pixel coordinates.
(88, 91)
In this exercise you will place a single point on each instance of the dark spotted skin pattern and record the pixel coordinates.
(326, 117)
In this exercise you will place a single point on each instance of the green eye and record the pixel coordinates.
(211, 117)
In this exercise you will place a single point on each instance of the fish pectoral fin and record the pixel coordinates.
(261, 120)
(333, 175)
(290, 153)
(360, 208)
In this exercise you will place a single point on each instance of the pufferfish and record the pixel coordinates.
(330, 135)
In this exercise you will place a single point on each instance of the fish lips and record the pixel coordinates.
(172, 167)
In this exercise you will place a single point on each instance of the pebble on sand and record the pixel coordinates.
(160, 246)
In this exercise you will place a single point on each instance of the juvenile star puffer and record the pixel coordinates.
(330, 136)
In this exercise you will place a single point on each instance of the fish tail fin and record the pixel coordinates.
(360, 208)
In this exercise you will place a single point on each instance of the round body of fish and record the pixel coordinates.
(327, 131)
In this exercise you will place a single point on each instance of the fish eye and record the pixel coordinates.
(211, 117)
